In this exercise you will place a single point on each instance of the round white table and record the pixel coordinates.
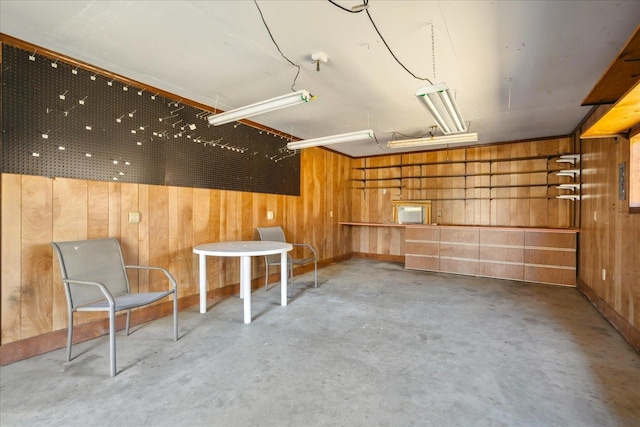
(245, 250)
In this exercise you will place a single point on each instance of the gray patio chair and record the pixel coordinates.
(95, 279)
(276, 234)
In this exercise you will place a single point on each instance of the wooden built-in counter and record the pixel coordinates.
(527, 254)
(541, 255)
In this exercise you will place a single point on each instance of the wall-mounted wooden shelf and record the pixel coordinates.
(377, 179)
(453, 162)
(392, 187)
(462, 175)
(508, 186)
(411, 176)
(372, 224)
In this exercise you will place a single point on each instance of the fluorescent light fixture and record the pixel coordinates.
(333, 139)
(437, 99)
(293, 98)
(434, 140)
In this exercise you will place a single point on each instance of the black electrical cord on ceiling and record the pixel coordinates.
(278, 47)
(366, 2)
(378, 142)
(391, 52)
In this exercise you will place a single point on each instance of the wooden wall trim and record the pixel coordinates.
(380, 257)
(628, 332)
(331, 261)
(30, 347)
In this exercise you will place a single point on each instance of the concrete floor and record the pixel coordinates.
(373, 345)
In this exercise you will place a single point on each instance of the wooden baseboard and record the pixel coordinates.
(29, 347)
(626, 329)
(24, 349)
(380, 257)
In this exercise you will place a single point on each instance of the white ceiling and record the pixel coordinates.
(519, 69)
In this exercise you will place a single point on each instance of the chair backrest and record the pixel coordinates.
(272, 234)
(98, 260)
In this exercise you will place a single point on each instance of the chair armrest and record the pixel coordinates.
(307, 246)
(103, 288)
(164, 270)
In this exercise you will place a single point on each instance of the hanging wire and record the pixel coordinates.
(374, 135)
(375, 27)
(431, 133)
(391, 52)
(378, 142)
(278, 47)
(433, 51)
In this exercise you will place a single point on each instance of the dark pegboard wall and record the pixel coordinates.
(59, 120)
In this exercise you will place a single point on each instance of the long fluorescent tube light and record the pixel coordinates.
(293, 98)
(439, 95)
(434, 140)
(333, 139)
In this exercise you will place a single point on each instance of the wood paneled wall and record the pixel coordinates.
(499, 206)
(609, 236)
(37, 210)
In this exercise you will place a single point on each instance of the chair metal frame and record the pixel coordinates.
(95, 279)
(277, 234)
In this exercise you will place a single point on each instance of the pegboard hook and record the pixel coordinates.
(168, 117)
